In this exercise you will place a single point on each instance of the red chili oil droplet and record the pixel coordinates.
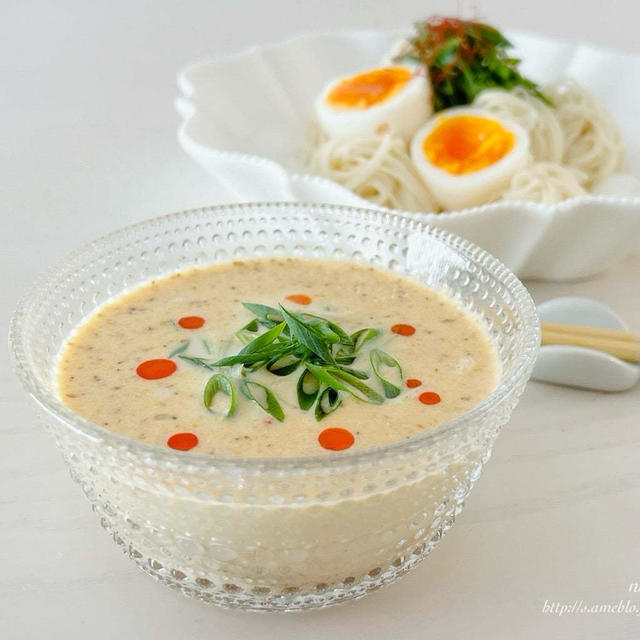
(429, 397)
(191, 322)
(157, 368)
(299, 298)
(336, 438)
(403, 329)
(183, 441)
(412, 383)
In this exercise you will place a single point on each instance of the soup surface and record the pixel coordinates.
(108, 371)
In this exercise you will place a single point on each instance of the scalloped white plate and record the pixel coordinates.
(244, 120)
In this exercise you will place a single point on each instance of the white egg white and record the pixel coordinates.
(458, 191)
(400, 114)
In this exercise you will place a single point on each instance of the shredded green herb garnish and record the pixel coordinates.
(263, 397)
(307, 389)
(284, 365)
(218, 382)
(283, 342)
(463, 58)
(328, 402)
(380, 358)
(247, 333)
(308, 336)
(201, 362)
(181, 348)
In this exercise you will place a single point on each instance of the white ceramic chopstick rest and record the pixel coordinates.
(579, 366)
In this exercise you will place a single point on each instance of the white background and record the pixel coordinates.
(88, 145)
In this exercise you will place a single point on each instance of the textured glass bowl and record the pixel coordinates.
(276, 533)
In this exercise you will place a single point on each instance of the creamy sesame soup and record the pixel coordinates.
(141, 363)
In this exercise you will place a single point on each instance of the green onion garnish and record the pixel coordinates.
(247, 333)
(306, 336)
(307, 389)
(218, 382)
(328, 401)
(200, 362)
(263, 397)
(280, 342)
(284, 365)
(181, 348)
(380, 358)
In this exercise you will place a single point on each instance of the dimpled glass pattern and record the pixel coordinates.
(277, 533)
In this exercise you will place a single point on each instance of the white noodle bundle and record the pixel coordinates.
(377, 168)
(545, 182)
(533, 115)
(574, 145)
(593, 142)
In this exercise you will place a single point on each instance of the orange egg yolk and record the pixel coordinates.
(368, 89)
(467, 143)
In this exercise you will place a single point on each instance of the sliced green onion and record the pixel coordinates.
(362, 336)
(285, 365)
(219, 383)
(345, 338)
(272, 351)
(324, 377)
(345, 356)
(291, 341)
(245, 335)
(267, 402)
(323, 330)
(327, 329)
(358, 373)
(307, 389)
(263, 340)
(267, 316)
(328, 401)
(358, 339)
(381, 358)
(206, 345)
(306, 336)
(343, 381)
(367, 393)
(181, 348)
(200, 362)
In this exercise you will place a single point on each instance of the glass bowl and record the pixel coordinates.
(276, 533)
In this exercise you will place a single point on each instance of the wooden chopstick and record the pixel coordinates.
(622, 344)
(577, 329)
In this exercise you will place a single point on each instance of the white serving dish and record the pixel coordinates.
(244, 119)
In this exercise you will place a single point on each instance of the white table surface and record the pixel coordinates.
(88, 145)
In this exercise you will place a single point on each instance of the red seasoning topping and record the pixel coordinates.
(183, 441)
(429, 397)
(336, 438)
(191, 322)
(403, 329)
(299, 298)
(157, 368)
(412, 383)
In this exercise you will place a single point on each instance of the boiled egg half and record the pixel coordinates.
(467, 157)
(393, 99)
